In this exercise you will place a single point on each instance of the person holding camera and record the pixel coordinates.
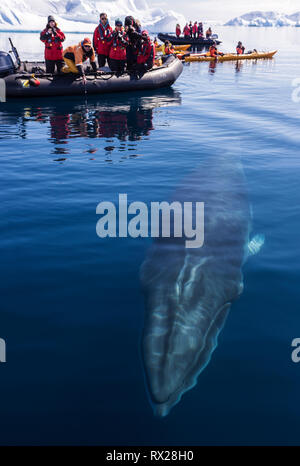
(133, 31)
(53, 38)
(117, 52)
(146, 54)
(101, 39)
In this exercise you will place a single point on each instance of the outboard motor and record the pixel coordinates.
(6, 65)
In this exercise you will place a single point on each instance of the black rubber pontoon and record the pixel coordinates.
(182, 41)
(17, 84)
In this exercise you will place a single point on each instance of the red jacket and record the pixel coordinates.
(146, 54)
(53, 43)
(186, 31)
(102, 38)
(195, 29)
(178, 31)
(118, 46)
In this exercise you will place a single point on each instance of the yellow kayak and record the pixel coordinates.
(231, 57)
(177, 48)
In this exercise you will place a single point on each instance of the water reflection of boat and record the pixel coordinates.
(127, 118)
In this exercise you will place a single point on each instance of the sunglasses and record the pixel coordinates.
(103, 18)
(86, 46)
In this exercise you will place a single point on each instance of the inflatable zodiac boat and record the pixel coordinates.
(30, 80)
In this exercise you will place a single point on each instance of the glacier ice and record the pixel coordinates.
(83, 15)
(265, 19)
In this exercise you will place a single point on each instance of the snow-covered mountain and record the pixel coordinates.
(265, 19)
(82, 15)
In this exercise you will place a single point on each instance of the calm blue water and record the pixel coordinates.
(71, 303)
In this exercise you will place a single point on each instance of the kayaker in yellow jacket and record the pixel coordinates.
(75, 55)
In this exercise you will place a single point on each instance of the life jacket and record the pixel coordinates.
(169, 50)
(53, 43)
(101, 38)
(240, 50)
(78, 55)
(195, 28)
(118, 46)
(178, 31)
(213, 51)
(146, 53)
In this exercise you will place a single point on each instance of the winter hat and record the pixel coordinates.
(129, 21)
(118, 22)
(51, 18)
(86, 41)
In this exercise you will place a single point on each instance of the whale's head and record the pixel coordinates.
(177, 346)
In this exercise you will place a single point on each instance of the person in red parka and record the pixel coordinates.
(53, 38)
(186, 31)
(195, 30)
(146, 53)
(178, 30)
(101, 39)
(117, 52)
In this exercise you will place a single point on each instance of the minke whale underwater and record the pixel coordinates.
(188, 292)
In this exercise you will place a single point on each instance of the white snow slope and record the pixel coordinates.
(265, 19)
(82, 15)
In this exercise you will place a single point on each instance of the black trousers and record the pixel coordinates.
(131, 57)
(51, 64)
(102, 60)
(117, 65)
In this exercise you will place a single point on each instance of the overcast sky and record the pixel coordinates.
(225, 9)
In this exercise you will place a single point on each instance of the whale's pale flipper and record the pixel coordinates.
(256, 243)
